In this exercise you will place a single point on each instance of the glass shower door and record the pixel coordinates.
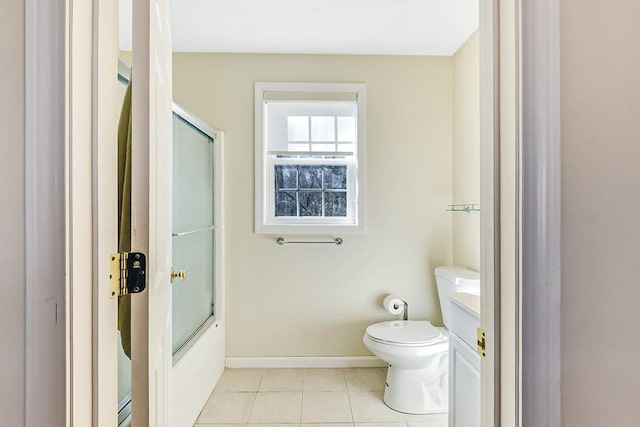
(193, 231)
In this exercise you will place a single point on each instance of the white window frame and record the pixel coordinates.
(266, 223)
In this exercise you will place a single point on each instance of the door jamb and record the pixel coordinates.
(91, 227)
(105, 115)
(541, 213)
(490, 209)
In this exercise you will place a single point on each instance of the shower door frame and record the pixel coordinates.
(187, 374)
(217, 139)
(198, 364)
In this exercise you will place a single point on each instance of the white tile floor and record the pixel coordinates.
(306, 398)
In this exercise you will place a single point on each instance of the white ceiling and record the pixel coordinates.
(380, 27)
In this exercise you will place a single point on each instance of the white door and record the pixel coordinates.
(151, 211)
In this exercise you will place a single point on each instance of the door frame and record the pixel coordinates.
(489, 34)
(91, 118)
(64, 209)
(521, 183)
(106, 112)
(91, 399)
(541, 213)
(45, 212)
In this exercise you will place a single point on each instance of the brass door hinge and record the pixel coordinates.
(127, 273)
(480, 349)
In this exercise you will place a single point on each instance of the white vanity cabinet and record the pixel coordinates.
(464, 362)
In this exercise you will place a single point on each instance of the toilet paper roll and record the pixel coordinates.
(393, 304)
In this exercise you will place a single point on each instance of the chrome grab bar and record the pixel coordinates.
(337, 241)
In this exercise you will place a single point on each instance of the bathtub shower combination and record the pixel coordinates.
(193, 242)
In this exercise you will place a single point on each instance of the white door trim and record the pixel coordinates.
(45, 207)
(105, 116)
(91, 115)
(521, 212)
(79, 210)
(507, 239)
(490, 209)
(541, 175)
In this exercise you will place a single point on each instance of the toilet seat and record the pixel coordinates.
(409, 333)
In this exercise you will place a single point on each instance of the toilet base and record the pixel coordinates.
(419, 391)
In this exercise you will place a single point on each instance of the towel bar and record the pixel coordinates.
(337, 241)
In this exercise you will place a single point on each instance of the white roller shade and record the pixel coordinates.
(309, 96)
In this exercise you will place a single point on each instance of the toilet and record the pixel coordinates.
(417, 352)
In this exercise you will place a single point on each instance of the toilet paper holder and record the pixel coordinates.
(405, 311)
(395, 304)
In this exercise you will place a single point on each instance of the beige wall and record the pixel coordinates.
(316, 300)
(12, 211)
(466, 152)
(600, 213)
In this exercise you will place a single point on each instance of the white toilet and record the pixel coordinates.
(417, 352)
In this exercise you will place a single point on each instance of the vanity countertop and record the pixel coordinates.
(468, 302)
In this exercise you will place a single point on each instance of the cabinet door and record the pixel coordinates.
(464, 384)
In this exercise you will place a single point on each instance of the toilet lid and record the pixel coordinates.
(407, 332)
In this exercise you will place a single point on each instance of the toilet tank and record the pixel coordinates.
(452, 279)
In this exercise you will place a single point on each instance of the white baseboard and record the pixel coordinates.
(305, 362)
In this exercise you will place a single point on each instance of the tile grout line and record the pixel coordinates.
(405, 422)
(253, 405)
(346, 385)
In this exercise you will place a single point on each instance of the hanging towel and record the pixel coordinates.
(124, 212)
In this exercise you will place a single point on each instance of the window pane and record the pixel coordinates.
(335, 177)
(335, 203)
(346, 148)
(346, 129)
(310, 177)
(286, 177)
(323, 129)
(298, 147)
(323, 147)
(310, 203)
(286, 203)
(298, 128)
(310, 190)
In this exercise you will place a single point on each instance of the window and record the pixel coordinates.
(309, 157)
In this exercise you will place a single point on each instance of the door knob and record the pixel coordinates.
(182, 274)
